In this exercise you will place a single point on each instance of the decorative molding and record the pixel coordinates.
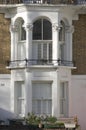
(70, 29)
(14, 28)
(55, 27)
(29, 26)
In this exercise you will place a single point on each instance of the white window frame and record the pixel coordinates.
(64, 99)
(41, 42)
(42, 100)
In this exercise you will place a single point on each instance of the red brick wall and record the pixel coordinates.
(4, 43)
(79, 44)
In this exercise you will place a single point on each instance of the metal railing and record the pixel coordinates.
(43, 2)
(32, 62)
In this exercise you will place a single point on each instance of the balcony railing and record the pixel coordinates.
(33, 62)
(43, 2)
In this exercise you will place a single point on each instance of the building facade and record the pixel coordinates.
(45, 47)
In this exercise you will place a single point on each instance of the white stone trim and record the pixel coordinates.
(5, 76)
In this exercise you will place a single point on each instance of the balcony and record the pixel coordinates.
(75, 2)
(35, 62)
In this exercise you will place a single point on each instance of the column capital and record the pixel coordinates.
(29, 26)
(14, 28)
(70, 29)
(55, 27)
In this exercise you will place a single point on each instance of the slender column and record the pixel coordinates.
(14, 40)
(28, 28)
(56, 94)
(14, 31)
(28, 86)
(28, 92)
(55, 45)
(69, 32)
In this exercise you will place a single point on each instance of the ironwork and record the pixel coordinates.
(43, 2)
(30, 62)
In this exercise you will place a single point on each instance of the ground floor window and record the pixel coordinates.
(42, 98)
(19, 92)
(64, 99)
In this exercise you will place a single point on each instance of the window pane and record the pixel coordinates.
(47, 30)
(49, 106)
(39, 51)
(37, 30)
(50, 52)
(23, 34)
(45, 51)
(42, 98)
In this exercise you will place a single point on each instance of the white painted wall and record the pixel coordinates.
(5, 97)
(78, 99)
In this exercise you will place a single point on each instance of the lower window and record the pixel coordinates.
(42, 98)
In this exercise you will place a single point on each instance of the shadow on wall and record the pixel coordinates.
(5, 114)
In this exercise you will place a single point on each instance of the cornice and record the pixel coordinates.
(11, 10)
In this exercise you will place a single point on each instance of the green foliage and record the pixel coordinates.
(32, 119)
(49, 122)
(51, 119)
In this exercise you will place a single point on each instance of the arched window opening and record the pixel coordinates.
(20, 39)
(62, 41)
(22, 32)
(62, 32)
(42, 30)
(42, 41)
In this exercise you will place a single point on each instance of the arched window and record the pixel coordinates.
(42, 30)
(20, 39)
(42, 40)
(22, 32)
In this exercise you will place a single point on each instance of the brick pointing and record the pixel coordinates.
(4, 43)
(79, 45)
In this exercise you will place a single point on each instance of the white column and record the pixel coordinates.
(14, 41)
(55, 44)
(69, 32)
(28, 92)
(56, 94)
(12, 92)
(28, 86)
(28, 28)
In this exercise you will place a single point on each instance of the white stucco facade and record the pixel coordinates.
(65, 92)
(51, 74)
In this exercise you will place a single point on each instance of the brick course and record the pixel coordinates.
(79, 45)
(4, 43)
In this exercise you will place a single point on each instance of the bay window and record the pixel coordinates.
(42, 40)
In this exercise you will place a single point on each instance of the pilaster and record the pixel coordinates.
(14, 41)
(29, 28)
(55, 44)
(69, 32)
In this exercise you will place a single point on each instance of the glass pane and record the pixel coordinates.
(39, 107)
(23, 34)
(39, 51)
(49, 106)
(42, 94)
(34, 106)
(44, 107)
(45, 51)
(50, 52)
(37, 30)
(47, 30)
